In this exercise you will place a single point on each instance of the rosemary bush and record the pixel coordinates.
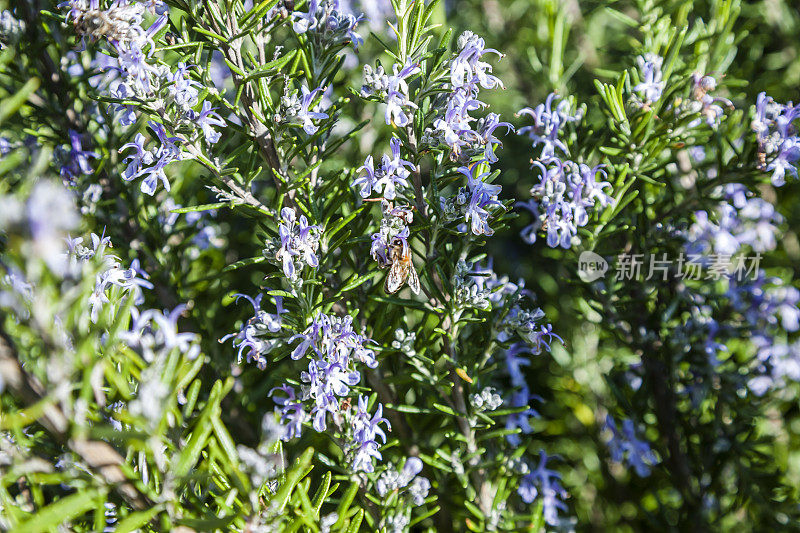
(343, 266)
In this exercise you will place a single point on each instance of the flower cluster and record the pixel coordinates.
(467, 290)
(566, 190)
(561, 198)
(327, 23)
(548, 123)
(407, 481)
(392, 90)
(546, 484)
(43, 219)
(252, 334)
(625, 446)
(738, 221)
(112, 274)
(75, 160)
(393, 231)
(778, 142)
(473, 202)
(303, 109)
(499, 288)
(404, 342)
(652, 85)
(296, 246)
(455, 127)
(521, 395)
(705, 104)
(11, 29)
(526, 324)
(769, 310)
(402, 491)
(155, 334)
(385, 180)
(487, 400)
(363, 434)
(327, 389)
(142, 81)
(763, 309)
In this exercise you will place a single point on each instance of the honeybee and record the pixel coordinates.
(113, 24)
(346, 404)
(762, 158)
(402, 269)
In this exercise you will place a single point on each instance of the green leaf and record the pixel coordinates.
(445, 409)
(355, 523)
(345, 221)
(258, 11)
(204, 207)
(225, 440)
(202, 430)
(272, 67)
(322, 492)
(136, 520)
(344, 504)
(62, 511)
(622, 17)
(244, 262)
(12, 104)
(292, 478)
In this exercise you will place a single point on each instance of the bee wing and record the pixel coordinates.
(396, 278)
(413, 279)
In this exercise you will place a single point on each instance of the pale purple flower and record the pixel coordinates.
(625, 446)
(136, 160)
(133, 65)
(652, 85)
(206, 119)
(482, 196)
(529, 232)
(365, 432)
(397, 95)
(486, 128)
(167, 152)
(251, 335)
(545, 484)
(307, 115)
(128, 116)
(131, 280)
(76, 159)
(393, 173)
(182, 88)
(298, 243)
(291, 410)
(751, 222)
(467, 70)
(185, 342)
(564, 192)
(547, 124)
(777, 137)
(303, 22)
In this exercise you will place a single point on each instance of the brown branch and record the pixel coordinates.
(482, 485)
(250, 106)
